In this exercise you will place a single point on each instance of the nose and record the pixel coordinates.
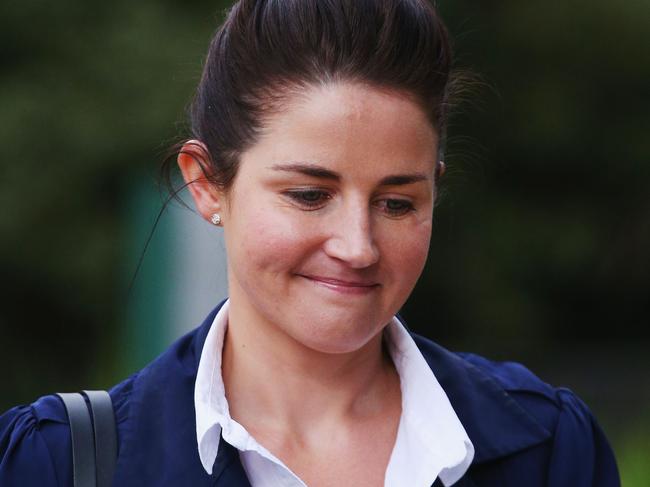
(351, 238)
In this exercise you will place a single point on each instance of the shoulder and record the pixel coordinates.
(473, 374)
(34, 435)
(520, 422)
(553, 407)
(35, 444)
(543, 401)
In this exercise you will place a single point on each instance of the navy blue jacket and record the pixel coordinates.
(525, 432)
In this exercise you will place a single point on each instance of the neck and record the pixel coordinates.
(283, 384)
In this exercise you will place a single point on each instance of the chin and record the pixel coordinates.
(334, 347)
(337, 336)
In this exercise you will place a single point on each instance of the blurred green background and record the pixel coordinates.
(541, 246)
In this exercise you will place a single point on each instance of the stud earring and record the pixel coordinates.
(216, 219)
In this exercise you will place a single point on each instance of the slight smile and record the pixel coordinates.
(342, 286)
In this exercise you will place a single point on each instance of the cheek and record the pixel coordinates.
(268, 243)
(406, 251)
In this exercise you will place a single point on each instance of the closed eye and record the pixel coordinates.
(395, 207)
(308, 198)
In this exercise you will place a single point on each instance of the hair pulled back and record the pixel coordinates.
(269, 50)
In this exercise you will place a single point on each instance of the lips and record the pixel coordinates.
(345, 286)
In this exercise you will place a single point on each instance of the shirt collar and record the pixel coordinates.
(431, 439)
(209, 393)
(497, 424)
(430, 433)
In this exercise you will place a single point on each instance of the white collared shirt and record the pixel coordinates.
(431, 442)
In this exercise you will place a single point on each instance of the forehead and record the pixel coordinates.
(353, 124)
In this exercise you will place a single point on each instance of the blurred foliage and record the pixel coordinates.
(91, 92)
(541, 236)
(633, 454)
(545, 224)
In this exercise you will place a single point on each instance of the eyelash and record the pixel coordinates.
(304, 197)
(405, 207)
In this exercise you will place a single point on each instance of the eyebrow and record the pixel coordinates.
(323, 173)
(308, 170)
(402, 179)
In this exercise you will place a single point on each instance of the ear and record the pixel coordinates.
(193, 161)
(441, 168)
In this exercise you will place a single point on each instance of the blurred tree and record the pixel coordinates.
(90, 94)
(543, 232)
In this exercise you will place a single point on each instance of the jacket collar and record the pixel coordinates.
(494, 421)
(227, 469)
(497, 425)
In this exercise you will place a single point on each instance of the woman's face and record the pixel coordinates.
(327, 224)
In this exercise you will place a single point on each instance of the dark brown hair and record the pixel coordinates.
(267, 50)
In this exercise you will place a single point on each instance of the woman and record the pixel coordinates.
(317, 129)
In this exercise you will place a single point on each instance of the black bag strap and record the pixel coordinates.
(83, 444)
(94, 444)
(101, 408)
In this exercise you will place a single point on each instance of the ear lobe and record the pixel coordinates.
(193, 161)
